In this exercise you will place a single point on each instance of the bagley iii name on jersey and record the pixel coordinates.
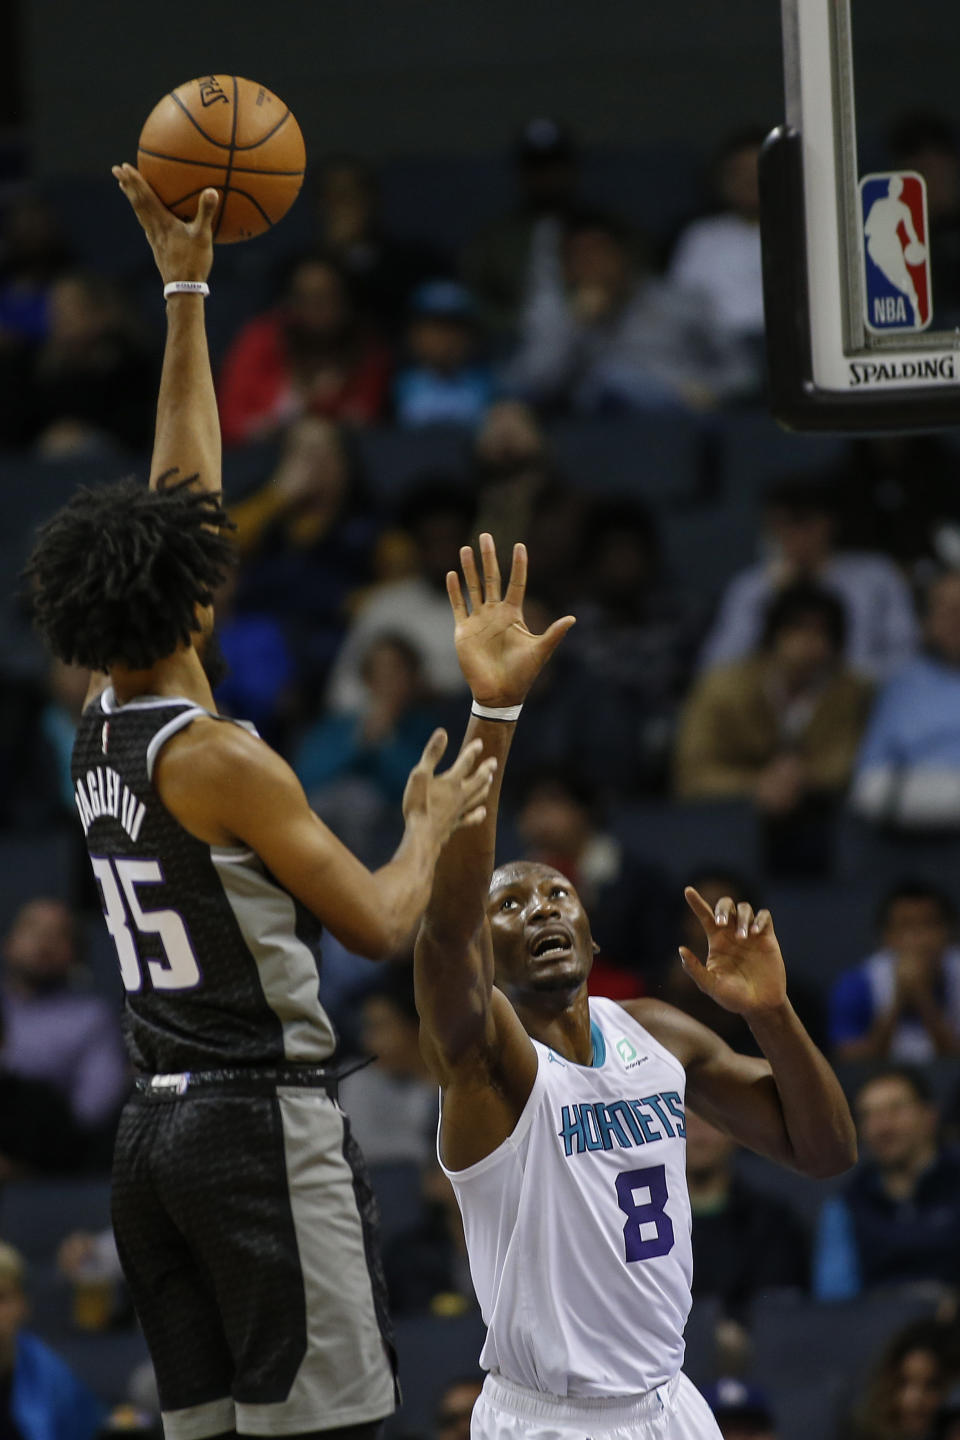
(105, 794)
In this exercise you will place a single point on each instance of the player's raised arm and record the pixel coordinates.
(788, 1106)
(187, 438)
(500, 659)
(228, 788)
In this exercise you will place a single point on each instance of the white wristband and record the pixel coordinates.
(490, 712)
(186, 287)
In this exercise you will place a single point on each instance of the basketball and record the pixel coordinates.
(915, 253)
(231, 134)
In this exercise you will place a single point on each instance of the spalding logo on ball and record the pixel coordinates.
(231, 134)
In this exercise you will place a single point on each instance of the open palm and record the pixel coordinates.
(744, 969)
(500, 658)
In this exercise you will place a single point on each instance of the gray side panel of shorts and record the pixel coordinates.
(197, 1422)
(346, 1377)
(267, 917)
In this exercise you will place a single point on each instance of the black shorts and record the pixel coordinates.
(247, 1232)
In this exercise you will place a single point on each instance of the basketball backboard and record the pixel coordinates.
(858, 337)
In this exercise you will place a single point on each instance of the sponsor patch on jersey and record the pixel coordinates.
(628, 1054)
(896, 253)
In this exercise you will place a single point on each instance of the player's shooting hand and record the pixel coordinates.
(183, 249)
(500, 658)
(451, 800)
(744, 969)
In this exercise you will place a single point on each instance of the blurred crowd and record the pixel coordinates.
(817, 695)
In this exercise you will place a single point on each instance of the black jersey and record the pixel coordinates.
(219, 962)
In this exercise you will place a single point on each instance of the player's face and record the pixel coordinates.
(541, 933)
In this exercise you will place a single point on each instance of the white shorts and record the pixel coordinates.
(677, 1411)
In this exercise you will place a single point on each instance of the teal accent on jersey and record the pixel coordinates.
(599, 1045)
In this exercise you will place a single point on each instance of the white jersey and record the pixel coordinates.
(578, 1225)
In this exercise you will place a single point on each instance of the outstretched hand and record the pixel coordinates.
(500, 658)
(744, 969)
(183, 249)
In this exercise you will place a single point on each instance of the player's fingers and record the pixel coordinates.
(551, 638)
(455, 596)
(701, 909)
(467, 759)
(433, 750)
(206, 210)
(762, 924)
(744, 919)
(725, 911)
(144, 199)
(517, 584)
(473, 817)
(491, 567)
(468, 565)
(475, 786)
(697, 971)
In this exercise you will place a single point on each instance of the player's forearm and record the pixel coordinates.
(187, 437)
(403, 889)
(819, 1127)
(462, 877)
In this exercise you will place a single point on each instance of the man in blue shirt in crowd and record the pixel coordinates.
(40, 1397)
(903, 1002)
(898, 1220)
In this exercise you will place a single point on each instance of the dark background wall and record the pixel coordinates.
(401, 76)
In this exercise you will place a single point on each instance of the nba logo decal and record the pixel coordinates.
(896, 256)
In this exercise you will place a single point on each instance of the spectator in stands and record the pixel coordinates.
(511, 457)
(898, 1220)
(602, 335)
(455, 1407)
(742, 1411)
(40, 1397)
(306, 541)
(780, 728)
(33, 253)
(628, 899)
(436, 517)
(506, 259)
(744, 1241)
(38, 1132)
(310, 356)
(717, 258)
(903, 1002)
(259, 680)
(633, 643)
(909, 1384)
(55, 1031)
(908, 767)
(444, 381)
(898, 494)
(392, 1103)
(382, 270)
(927, 142)
(426, 1266)
(91, 384)
(800, 544)
(354, 766)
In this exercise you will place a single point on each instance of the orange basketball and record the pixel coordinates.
(234, 135)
